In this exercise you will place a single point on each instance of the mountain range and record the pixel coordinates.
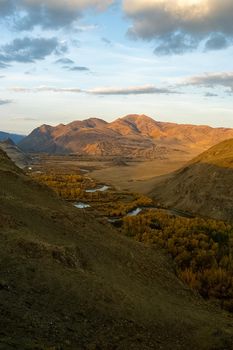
(203, 186)
(132, 136)
(14, 137)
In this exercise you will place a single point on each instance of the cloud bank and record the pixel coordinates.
(212, 80)
(48, 13)
(29, 50)
(134, 90)
(45, 89)
(179, 26)
(176, 26)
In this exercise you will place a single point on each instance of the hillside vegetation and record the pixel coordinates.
(202, 249)
(69, 282)
(203, 186)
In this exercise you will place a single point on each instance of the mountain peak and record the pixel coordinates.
(89, 123)
(142, 124)
(45, 128)
(137, 117)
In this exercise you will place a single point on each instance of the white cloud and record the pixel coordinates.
(212, 80)
(45, 89)
(27, 14)
(133, 90)
(181, 25)
(29, 50)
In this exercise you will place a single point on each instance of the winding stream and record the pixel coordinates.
(137, 211)
(134, 212)
(101, 189)
(81, 205)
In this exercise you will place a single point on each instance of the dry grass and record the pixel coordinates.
(203, 186)
(70, 282)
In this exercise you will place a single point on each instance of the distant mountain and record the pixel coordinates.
(17, 156)
(204, 186)
(14, 137)
(133, 135)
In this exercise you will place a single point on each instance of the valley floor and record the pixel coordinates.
(132, 175)
(70, 280)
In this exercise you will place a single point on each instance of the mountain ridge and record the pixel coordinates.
(21, 159)
(203, 186)
(133, 135)
(15, 137)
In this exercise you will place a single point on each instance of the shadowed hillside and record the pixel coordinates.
(204, 186)
(15, 137)
(69, 282)
(131, 136)
(19, 157)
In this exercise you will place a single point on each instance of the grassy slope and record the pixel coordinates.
(203, 186)
(220, 155)
(70, 282)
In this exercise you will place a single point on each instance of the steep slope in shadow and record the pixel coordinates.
(69, 282)
(15, 137)
(19, 158)
(202, 187)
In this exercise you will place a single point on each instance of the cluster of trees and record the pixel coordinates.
(70, 187)
(202, 250)
(109, 203)
(121, 208)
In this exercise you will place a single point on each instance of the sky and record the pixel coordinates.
(65, 60)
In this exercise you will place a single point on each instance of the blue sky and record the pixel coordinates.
(67, 60)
